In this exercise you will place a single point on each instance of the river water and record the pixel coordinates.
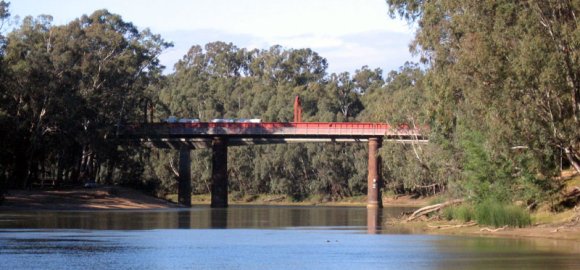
(256, 237)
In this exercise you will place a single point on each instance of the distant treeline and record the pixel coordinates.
(499, 84)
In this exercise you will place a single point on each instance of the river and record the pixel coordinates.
(256, 237)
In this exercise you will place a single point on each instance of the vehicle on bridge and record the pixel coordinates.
(173, 119)
(236, 120)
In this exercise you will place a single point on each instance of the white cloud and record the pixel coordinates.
(307, 41)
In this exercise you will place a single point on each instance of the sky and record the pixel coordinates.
(348, 33)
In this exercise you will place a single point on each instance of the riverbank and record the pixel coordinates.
(283, 200)
(112, 197)
(568, 229)
(98, 198)
(565, 225)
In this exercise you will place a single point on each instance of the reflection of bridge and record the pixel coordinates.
(218, 136)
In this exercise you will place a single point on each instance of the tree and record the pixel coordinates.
(6, 125)
(70, 87)
(504, 70)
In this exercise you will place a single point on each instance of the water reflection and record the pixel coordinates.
(219, 218)
(374, 220)
(184, 219)
(256, 238)
(494, 253)
(204, 217)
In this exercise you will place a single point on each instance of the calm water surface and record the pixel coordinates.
(255, 238)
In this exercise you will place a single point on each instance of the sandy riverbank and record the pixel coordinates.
(569, 230)
(103, 198)
(82, 199)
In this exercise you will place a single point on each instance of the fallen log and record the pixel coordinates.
(571, 198)
(575, 192)
(446, 227)
(275, 199)
(493, 230)
(433, 208)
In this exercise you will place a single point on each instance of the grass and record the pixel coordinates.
(496, 214)
(549, 217)
(436, 200)
(490, 213)
(463, 213)
(574, 181)
(273, 199)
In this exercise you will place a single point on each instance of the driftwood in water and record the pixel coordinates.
(433, 208)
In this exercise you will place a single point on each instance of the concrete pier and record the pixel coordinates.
(374, 181)
(184, 181)
(219, 177)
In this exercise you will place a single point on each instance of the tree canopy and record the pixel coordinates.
(502, 76)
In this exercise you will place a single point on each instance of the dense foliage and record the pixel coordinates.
(504, 90)
(499, 85)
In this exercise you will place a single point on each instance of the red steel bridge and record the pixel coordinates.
(202, 134)
(220, 135)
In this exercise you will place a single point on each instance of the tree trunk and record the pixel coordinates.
(59, 168)
(433, 208)
(75, 174)
(20, 170)
(572, 158)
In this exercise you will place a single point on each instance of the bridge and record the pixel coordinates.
(220, 135)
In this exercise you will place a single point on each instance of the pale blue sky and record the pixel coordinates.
(348, 33)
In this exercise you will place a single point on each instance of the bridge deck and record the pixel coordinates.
(200, 134)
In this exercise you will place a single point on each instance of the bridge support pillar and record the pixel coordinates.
(184, 180)
(374, 181)
(219, 176)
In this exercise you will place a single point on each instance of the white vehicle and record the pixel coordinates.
(237, 120)
(170, 119)
(188, 120)
(245, 120)
(221, 120)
